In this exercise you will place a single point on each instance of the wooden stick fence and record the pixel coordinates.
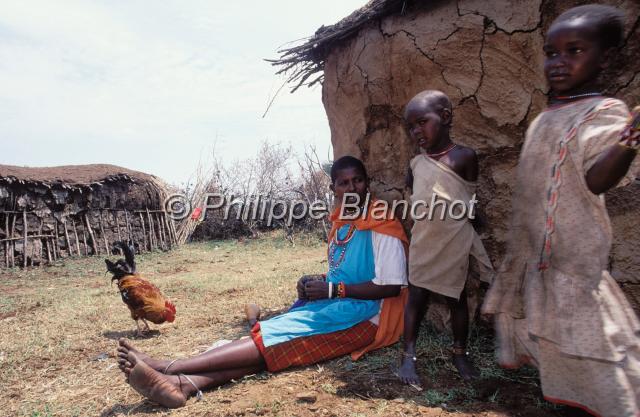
(47, 239)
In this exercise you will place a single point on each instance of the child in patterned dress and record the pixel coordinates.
(555, 304)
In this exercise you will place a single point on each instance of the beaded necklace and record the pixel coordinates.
(576, 96)
(339, 245)
(442, 153)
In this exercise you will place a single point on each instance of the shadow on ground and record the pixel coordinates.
(130, 334)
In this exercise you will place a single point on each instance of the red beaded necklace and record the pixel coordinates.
(339, 245)
(439, 154)
(347, 238)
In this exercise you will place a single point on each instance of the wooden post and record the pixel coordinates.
(46, 243)
(84, 241)
(66, 238)
(94, 244)
(75, 232)
(156, 231)
(172, 223)
(126, 220)
(165, 226)
(104, 236)
(173, 229)
(151, 231)
(163, 231)
(56, 243)
(144, 232)
(55, 251)
(25, 231)
(53, 247)
(117, 225)
(6, 244)
(160, 231)
(43, 248)
(13, 242)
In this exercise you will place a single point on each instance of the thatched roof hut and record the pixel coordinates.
(127, 188)
(52, 212)
(487, 56)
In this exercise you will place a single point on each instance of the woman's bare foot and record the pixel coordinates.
(124, 347)
(252, 311)
(407, 371)
(465, 367)
(165, 390)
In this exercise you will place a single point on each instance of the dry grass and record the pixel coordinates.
(60, 324)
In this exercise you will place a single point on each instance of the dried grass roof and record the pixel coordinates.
(306, 60)
(72, 175)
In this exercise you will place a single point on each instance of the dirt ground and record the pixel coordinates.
(60, 325)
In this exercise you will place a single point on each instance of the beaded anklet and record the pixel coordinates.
(169, 366)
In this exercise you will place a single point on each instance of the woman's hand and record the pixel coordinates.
(316, 290)
(300, 287)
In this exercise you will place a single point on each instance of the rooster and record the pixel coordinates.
(145, 301)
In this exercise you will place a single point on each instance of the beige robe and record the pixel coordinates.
(556, 305)
(441, 243)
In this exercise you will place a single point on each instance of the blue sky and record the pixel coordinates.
(150, 85)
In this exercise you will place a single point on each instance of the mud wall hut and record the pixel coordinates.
(487, 56)
(80, 210)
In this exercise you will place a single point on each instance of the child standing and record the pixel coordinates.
(555, 304)
(440, 244)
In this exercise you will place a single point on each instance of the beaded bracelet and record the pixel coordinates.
(342, 290)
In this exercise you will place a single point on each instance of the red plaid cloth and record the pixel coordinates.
(313, 349)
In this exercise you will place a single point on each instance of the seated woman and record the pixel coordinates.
(358, 307)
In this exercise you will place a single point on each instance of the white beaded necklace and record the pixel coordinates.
(577, 96)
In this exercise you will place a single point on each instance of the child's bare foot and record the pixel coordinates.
(407, 371)
(159, 388)
(124, 347)
(465, 368)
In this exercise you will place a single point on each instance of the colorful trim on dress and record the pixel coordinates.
(553, 192)
(571, 404)
(631, 134)
(308, 350)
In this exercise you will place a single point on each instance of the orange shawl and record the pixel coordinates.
(392, 315)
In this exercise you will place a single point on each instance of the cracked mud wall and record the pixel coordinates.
(487, 56)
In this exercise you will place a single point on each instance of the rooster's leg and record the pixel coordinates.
(139, 331)
(146, 325)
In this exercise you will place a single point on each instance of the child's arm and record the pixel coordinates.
(610, 167)
(469, 161)
(409, 179)
(471, 174)
(465, 163)
(614, 162)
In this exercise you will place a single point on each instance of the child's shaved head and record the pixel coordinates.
(433, 99)
(606, 21)
(429, 101)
